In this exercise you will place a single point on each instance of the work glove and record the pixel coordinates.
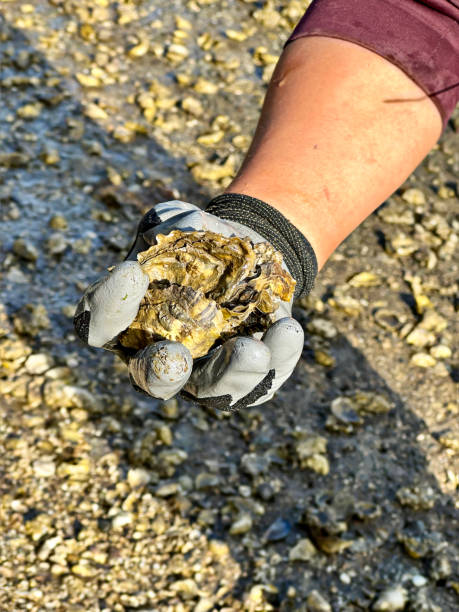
(243, 371)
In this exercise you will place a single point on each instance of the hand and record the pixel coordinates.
(244, 371)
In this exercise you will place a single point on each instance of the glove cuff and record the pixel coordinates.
(259, 216)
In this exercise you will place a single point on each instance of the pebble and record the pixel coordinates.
(322, 327)
(56, 244)
(51, 157)
(432, 321)
(365, 279)
(242, 524)
(422, 360)
(44, 467)
(417, 497)
(440, 351)
(414, 196)
(303, 550)
(188, 589)
(170, 409)
(278, 530)
(25, 249)
(316, 602)
(58, 222)
(140, 49)
(418, 580)
(14, 160)
(192, 106)
(420, 337)
(29, 111)
(166, 490)
(219, 549)
(254, 464)
(121, 520)
(392, 599)
(138, 477)
(206, 480)
(203, 86)
(38, 363)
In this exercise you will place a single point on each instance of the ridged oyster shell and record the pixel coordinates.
(204, 286)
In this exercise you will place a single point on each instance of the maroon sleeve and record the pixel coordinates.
(420, 37)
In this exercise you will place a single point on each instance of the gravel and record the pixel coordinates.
(340, 493)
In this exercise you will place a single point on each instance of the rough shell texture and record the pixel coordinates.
(204, 286)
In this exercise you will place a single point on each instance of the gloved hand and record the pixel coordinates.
(244, 371)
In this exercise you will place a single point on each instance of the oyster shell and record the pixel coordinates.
(204, 286)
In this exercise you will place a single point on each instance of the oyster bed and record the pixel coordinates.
(341, 493)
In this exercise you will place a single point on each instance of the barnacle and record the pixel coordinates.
(205, 286)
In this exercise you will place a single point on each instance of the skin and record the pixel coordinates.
(340, 130)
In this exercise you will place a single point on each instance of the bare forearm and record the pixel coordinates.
(341, 128)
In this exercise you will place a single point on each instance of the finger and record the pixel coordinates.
(111, 304)
(165, 210)
(161, 369)
(230, 373)
(285, 339)
(157, 215)
(188, 221)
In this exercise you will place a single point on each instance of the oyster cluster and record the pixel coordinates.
(204, 286)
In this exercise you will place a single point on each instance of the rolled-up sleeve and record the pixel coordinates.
(421, 38)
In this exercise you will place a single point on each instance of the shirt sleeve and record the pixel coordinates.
(420, 37)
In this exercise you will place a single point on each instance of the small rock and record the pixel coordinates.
(254, 464)
(58, 222)
(241, 525)
(420, 337)
(177, 53)
(14, 160)
(417, 497)
(207, 480)
(44, 467)
(365, 279)
(324, 358)
(265, 491)
(56, 244)
(170, 409)
(186, 588)
(121, 520)
(322, 327)
(47, 547)
(205, 87)
(440, 351)
(29, 111)
(432, 321)
(418, 580)
(277, 530)
(414, 196)
(392, 599)
(193, 106)
(140, 49)
(138, 477)
(166, 490)
(219, 549)
(31, 319)
(440, 567)
(51, 157)
(303, 550)
(422, 360)
(84, 570)
(25, 249)
(317, 602)
(38, 363)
